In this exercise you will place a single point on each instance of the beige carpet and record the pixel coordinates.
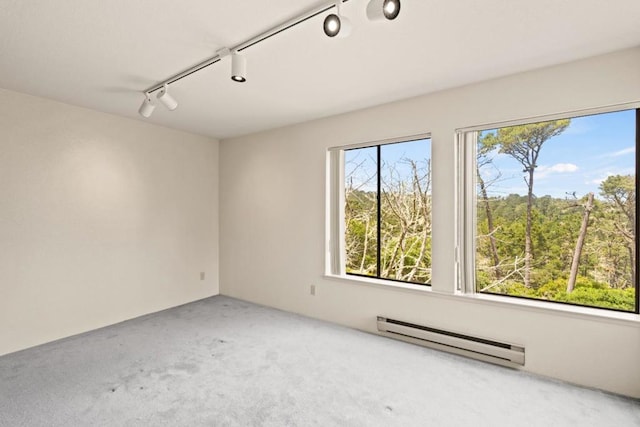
(224, 362)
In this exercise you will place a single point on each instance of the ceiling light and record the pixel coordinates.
(166, 99)
(378, 10)
(336, 24)
(147, 107)
(238, 68)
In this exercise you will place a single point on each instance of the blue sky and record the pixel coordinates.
(578, 160)
(361, 163)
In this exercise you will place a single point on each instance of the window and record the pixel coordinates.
(550, 210)
(385, 210)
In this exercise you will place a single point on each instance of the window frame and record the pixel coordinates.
(466, 203)
(335, 257)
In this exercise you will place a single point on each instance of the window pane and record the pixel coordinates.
(361, 218)
(556, 211)
(406, 211)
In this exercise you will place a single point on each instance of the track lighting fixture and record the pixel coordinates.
(147, 107)
(238, 68)
(337, 25)
(378, 10)
(166, 99)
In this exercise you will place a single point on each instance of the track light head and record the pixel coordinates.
(238, 68)
(378, 10)
(336, 24)
(147, 107)
(332, 25)
(166, 99)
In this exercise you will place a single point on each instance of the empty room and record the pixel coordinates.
(319, 213)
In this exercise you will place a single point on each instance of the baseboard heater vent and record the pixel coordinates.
(465, 345)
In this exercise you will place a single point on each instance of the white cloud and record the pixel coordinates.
(563, 168)
(629, 150)
(544, 171)
(604, 176)
(597, 176)
(596, 181)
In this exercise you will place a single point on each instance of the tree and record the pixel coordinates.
(483, 160)
(603, 272)
(406, 221)
(404, 238)
(524, 143)
(360, 215)
(579, 244)
(620, 190)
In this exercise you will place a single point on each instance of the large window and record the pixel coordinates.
(387, 211)
(553, 210)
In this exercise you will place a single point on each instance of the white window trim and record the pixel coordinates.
(465, 212)
(335, 253)
(407, 138)
(612, 108)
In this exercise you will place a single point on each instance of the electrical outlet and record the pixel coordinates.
(202, 275)
(313, 290)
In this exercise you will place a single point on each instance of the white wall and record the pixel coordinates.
(272, 213)
(102, 219)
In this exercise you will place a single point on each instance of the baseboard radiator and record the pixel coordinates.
(478, 348)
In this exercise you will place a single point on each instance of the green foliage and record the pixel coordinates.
(587, 292)
(605, 274)
(360, 238)
(525, 245)
(518, 140)
(620, 187)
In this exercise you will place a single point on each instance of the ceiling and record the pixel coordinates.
(103, 54)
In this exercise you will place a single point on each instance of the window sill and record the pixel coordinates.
(591, 313)
(546, 307)
(379, 282)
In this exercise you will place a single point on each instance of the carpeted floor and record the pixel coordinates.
(224, 362)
